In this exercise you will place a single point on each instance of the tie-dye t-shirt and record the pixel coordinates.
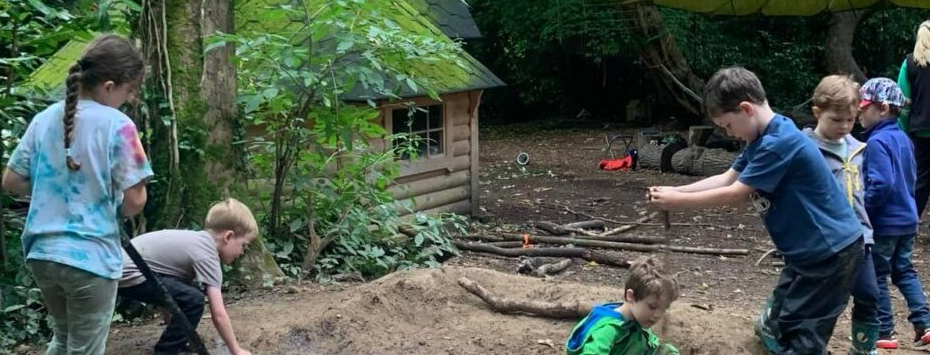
(73, 214)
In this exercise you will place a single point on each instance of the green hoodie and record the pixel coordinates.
(605, 332)
(904, 121)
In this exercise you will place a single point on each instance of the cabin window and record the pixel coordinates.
(424, 122)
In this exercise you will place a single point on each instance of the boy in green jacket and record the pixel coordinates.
(622, 328)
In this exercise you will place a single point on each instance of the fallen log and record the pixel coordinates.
(592, 224)
(636, 239)
(506, 244)
(551, 228)
(625, 226)
(570, 310)
(649, 248)
(481, 238)
(700, 161)
(586, 254)
(552, 268)
(540, 267)
(556, 229)
(628, 227)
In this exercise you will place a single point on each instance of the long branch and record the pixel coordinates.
(587, 254)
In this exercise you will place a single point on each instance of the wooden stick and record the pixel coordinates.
(506, 244)
(626, 246)
(628, 227)
(767, 253)
(645, 221)
(637, 239)
(590, 255)
(550, 227)
(556, 229)
(552, 268)
(567, 208)
(481, 237)
(592, 224)
(570, 310)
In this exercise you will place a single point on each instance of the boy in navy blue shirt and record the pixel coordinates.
(803, 207)
(889, 200)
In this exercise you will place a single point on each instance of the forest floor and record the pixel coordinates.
(426, 312)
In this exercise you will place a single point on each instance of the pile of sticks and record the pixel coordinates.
(578, 240)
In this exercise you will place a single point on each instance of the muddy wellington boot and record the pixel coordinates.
(764, 331)
(864, 337)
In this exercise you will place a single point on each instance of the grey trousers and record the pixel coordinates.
(80, 307)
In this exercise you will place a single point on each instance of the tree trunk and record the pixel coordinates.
(650, 156)
(201, 92)
(218, 90)
(700, 161)
(670, 70)
(839, 46)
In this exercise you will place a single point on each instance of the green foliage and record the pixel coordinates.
(323, 154)
(885, 37)
(23, 320)
(548, 51)
(786, 52)
(543, 47)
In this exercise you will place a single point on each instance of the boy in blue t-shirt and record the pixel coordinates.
(803, 207)
(890, 175)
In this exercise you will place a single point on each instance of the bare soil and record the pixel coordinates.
(426, 312)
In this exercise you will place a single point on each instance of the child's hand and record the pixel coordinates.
(243, 352)
(663, 197)
(658, 188)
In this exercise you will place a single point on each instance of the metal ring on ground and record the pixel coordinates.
(523, 158)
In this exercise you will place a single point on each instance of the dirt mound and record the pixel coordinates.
(427, 312)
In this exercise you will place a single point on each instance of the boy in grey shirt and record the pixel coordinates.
(185, 260)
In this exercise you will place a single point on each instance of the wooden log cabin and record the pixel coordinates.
(444, 178)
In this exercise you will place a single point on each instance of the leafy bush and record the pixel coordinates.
(330, 162)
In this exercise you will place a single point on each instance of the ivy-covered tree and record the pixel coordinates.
(194, 120)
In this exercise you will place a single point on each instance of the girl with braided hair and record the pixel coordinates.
(83, 165)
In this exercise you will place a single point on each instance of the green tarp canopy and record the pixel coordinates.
(778, 7)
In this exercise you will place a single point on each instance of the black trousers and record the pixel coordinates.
(922, 160)
(809, 298)
(189, 298)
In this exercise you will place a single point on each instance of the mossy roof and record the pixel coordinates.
(458, 74)
(452, 16)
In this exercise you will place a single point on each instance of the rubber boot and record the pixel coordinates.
(764, 331)
(864, 337)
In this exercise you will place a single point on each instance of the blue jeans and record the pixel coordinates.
(865, 292)
(893, 257)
